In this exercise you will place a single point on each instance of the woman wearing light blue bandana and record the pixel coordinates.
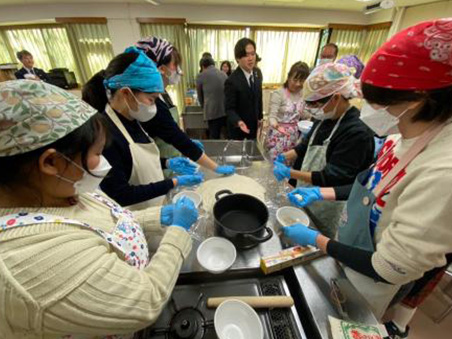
(129, 87)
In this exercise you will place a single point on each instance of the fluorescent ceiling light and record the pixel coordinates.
(154, 2)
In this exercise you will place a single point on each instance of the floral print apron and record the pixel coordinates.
(127, 237)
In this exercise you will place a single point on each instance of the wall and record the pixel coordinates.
(124, 28)
(380, 16)
(416, 14)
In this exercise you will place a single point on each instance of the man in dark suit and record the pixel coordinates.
(28, 71)
(243, 93)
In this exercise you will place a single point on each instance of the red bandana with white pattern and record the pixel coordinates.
(417, 58)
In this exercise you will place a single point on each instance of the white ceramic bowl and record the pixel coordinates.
(288, 215)
(193, 196)
(235, 319)
(304, 126)
(216, 254)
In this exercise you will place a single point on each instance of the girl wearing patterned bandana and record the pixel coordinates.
(73, 263)
(396, 228)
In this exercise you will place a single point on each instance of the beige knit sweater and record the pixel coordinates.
(59, 279)
(414, 232)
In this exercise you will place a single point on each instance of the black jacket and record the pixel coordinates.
(20, 74)
(350, 151)
(243, 103)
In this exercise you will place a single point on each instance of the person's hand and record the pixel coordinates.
(166, 215)
(189, 180)
(185, 213)
(282, 130)
(225, 169)
(301, 234)
(304, 196)
(199, 144)
(281, 171)
(281, 158)
(182, 165)
(243, 127)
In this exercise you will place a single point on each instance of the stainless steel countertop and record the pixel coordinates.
(314, 278)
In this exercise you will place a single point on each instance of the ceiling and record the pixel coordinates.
(352, 5)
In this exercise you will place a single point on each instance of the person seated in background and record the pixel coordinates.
(328, 53)
(243, 93)
(210, 88)
(28, 71)
(286, 110)
(339, 145)
(226, 67)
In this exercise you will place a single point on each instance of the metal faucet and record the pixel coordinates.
(225, 149)
(245, 158)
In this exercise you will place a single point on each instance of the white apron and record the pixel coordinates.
(327, 212)
(146, 166)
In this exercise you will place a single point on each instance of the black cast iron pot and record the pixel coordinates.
(241, 218)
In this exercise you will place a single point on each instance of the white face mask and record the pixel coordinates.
(175, 77)
(319, 113)
(324, 61)
(89, 182)
(144, 112)
(380, 120)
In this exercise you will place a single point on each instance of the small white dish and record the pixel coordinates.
(235, 319)
(216, 254)
(193, 196)
(304, 126)
(289, 215)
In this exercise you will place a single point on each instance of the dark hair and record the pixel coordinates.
(229, 67)
(298, 71)
(336, 49)
(94, 92)
(437, 102)
(240, 47)
(14, 168)
(206, 54)
(20, 55)
(206, 62)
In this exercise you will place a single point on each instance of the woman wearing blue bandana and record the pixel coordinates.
(130, 85)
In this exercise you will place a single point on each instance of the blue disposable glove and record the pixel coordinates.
(281, 171)
(199, 144)
(185, 213)
(182, 165)
(166, 215)
(189, 180)
(281, 158)
(301, 234)
(226, 169)
(304, 196)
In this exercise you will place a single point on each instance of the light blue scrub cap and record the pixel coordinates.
(141, 75)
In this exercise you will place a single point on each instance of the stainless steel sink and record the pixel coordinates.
(232, 152)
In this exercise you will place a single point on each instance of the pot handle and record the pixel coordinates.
(261, 239)
(222, 192)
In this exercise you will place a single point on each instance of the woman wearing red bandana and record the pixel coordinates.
(396, 229)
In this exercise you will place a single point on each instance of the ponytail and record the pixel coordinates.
(94, 92)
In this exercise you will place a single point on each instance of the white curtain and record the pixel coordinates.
(348, 41)
(374, 39)
(219, 41)
(279, 50)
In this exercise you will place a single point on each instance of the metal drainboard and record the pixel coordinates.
(282, 321)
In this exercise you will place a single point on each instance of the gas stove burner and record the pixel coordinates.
(187, 323)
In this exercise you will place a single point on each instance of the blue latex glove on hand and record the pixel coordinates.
(304, 196)
(281, 158)
(301, 234)
(185, 213)
(182, 165)
(166, 215)
(189, 180)
(281, 171)
(226, 170)
(199, 144)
